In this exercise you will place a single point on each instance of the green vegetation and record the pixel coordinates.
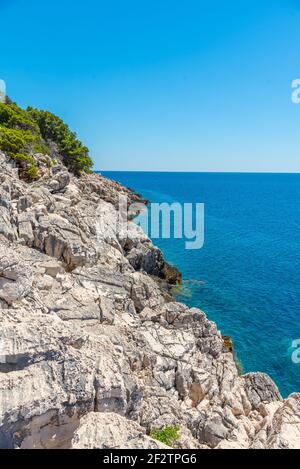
(24, 133)
(21, 145)
(75, 154)
(12, 116)
(167, 435)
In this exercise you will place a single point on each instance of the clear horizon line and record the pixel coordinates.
(192, 172)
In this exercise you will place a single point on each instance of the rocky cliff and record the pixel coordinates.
(94, 351)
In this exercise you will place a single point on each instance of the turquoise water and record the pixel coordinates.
(247, 275)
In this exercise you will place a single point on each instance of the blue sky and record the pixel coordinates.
(162, 85)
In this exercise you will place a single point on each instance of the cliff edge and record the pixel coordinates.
(94, 351)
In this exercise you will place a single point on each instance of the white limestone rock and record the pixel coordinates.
(102, 431)
(94, 352)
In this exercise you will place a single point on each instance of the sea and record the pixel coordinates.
(246, 277)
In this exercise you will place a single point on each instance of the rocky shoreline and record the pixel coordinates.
(94, 351)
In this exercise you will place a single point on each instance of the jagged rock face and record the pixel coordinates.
(94, 353)
(110, 430)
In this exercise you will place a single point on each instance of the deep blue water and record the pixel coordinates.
(247, 275)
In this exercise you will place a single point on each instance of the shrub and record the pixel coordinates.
(26, 132)
(20, 145)
(14, 141)
(75, 154)
(167, 435)
(12, 116)
(33, 172)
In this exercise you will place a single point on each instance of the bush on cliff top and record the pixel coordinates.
(20, 145)
(24, 133)
(13, 117)
(167, 435)
(75, 155)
